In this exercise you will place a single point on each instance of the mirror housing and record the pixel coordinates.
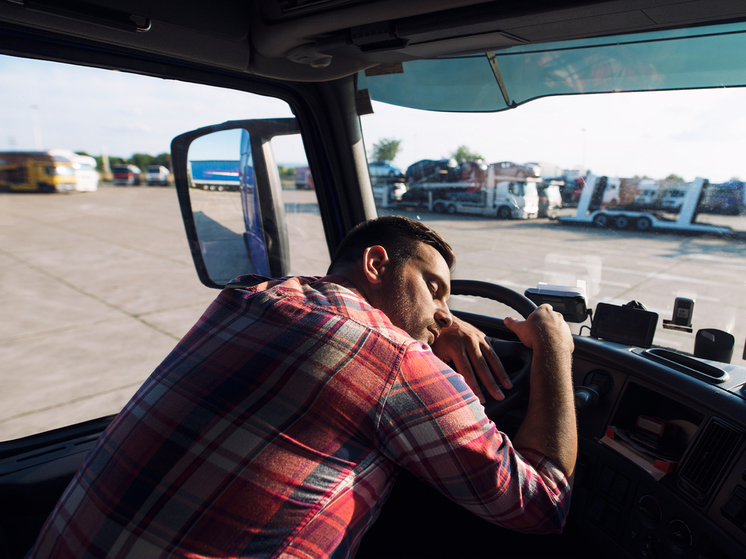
(265, 236)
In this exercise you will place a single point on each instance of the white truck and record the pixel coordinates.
(497, 196)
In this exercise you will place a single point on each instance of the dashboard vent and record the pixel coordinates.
(708, 459)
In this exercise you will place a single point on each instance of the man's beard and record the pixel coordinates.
(401, 309)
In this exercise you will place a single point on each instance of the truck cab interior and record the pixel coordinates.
(660, 386)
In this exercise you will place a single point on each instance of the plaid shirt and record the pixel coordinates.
(275, 429)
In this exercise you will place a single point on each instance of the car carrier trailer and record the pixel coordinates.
(640, 220)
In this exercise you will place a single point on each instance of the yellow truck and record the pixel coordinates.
(36, 172)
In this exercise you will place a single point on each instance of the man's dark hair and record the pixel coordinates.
(397, 234)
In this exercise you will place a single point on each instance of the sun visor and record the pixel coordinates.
(662, 60)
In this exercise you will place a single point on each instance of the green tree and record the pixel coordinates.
(142, 160)
(463, 154)
(163, 159)
(385, 149)
(673, 177)
(286, 173)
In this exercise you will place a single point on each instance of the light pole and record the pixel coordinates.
(37, 128)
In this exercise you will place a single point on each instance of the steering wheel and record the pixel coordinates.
(515, 357)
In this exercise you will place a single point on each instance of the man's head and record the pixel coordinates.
(401, 267)
(397, 234)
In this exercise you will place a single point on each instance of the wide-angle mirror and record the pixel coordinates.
(221, 176)
(230, 195)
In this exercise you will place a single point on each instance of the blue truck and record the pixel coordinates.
(215, 175)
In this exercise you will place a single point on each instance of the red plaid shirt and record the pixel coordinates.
(275, 429)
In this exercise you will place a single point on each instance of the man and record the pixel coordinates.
(278, 424)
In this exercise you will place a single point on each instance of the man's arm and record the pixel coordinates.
(432, 424)
(466, 347)
(550, 426)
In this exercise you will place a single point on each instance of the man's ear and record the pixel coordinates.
(375, 263)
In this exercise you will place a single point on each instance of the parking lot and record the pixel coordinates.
(97, 288)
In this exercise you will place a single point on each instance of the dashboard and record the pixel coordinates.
(696, 509)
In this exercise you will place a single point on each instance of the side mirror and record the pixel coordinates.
(230, 198)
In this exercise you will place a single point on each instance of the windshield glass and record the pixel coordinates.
(64, 171)
(98, 284)
(650, 153)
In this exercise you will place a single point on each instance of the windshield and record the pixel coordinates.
(98, 284)
(64, 171)
(645, 152)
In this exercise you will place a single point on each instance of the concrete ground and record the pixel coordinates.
(95, 290)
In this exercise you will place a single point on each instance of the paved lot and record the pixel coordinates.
(97, 288)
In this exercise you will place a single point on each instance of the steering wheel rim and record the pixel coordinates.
(516, 301)
(508, 351)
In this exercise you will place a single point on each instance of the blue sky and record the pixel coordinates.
(690, 133)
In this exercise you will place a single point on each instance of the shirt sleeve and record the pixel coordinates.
(433, 425)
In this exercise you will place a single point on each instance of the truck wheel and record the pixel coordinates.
(621, 222)
(643, 223)
(601, 220)
(451, 209)
(504, 212)
(439, 208)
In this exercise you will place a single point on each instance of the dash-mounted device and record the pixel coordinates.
(683, 310)
(624, 324)
(570, 302)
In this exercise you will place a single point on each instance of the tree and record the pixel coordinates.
(163, 159)
(142, 160)
(673, 177)
(385, 150)
(463, 154)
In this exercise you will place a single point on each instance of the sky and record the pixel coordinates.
(688, 133)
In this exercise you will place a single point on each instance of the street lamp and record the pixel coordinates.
(37, 128)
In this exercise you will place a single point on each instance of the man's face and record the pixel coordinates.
(414, 295)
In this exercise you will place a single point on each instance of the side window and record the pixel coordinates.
(97, 284)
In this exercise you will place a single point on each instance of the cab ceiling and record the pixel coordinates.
(325, 39)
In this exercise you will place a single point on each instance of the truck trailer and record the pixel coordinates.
(215, 175)
(619, 217)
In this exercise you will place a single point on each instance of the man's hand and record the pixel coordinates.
(544, 330)
(467, 349)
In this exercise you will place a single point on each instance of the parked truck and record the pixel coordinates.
(36, 171)
(303, 178)
(502, 197)
(86, 175)
(216, 175)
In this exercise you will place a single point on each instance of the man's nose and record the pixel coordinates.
(443, 315)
